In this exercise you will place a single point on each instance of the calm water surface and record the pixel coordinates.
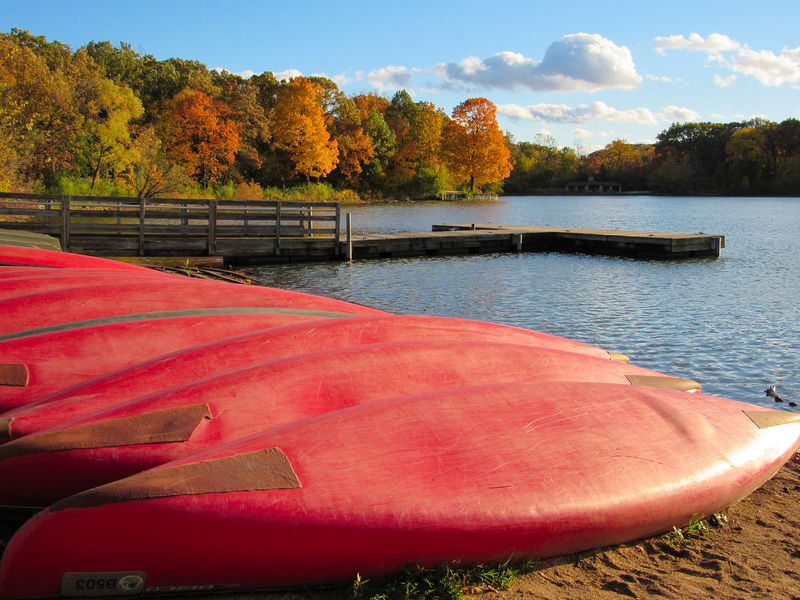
(731, 323)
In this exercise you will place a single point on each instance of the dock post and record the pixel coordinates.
(142, 208)
(65, 202)
(212, 227)
(349, 236)
(518, 242)
(278, 217)
(337, 246)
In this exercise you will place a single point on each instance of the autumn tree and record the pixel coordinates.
(428, 132)
(473, 145)
(242, 96)
(152, 173)
(401, 115)
(628, 164)
(106, 139)
(367, 103)
(355, 146)
(202, 135)
(299, 129)
(46, 109)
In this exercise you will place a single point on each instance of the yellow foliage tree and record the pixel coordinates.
(299, 129)
(473, 145)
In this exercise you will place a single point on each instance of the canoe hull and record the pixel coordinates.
(478, 474)
(60, 359)
(121, 440)
(212, 359)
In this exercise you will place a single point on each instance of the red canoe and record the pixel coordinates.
(35, 257)
(176, 293)
(468, 475)
(34, 366)
(54, 279)
(154, 429)
(223, 355)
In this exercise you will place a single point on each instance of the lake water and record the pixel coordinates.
(731, 323)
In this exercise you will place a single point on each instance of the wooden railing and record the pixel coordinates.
(114, 226)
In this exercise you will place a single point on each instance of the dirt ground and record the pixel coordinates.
(756, 554)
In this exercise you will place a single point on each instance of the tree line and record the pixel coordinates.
(105, 120)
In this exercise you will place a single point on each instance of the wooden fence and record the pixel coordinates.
(111, 226)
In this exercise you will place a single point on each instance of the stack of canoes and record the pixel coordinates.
(177, 434)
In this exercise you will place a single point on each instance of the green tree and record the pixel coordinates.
(672, 176)
(384, 142)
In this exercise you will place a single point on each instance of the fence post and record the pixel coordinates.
(212, 227)
(349, 236)
(337, 248)
(278, 229)
(48, 206)
(141, 225)
(65, 202)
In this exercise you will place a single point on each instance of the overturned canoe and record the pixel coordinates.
(20, 256)
(44, 280)
(213, 358)
(466, 475)
(80, 303)
(157, 428)
(43, 362)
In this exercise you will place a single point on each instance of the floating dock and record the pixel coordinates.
(474, 238)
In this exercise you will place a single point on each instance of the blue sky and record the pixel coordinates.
(584, 72)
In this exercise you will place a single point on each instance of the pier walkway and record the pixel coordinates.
(248, 232)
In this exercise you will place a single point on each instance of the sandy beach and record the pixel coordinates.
(756, 554)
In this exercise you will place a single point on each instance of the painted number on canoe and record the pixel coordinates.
(102, 584)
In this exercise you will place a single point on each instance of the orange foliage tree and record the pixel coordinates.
(473, 145)
(201, 135)
(355, 146)
(299, 129)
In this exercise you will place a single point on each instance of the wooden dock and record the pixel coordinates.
(268, 232)
(454, 239)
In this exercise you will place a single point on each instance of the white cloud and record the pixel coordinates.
(721, 81)
(287, 75)
(581, 61)
(713, 44)
(562, 113)
(391, 77)
(678, 114)
(342, 79)
(580, 132)
(765, 66)
(658, 79)
(769, 69)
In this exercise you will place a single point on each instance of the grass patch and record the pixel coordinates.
(441, 583)
(697, 527)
